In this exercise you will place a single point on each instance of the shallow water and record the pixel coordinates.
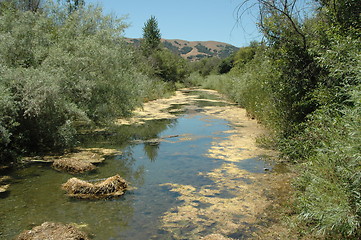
(35, 195)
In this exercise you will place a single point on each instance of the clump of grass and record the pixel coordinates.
(110, 187)
(73, 166)
(50, 230)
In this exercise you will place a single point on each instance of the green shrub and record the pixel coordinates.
(171, 47)
(330, 183)
(226, 65)
(168, 66)
(43, 117)
(194, 79)
(61, 70)
(206, 66)
(185, 50)
(203, 49)
(8, 115)
(221, 83)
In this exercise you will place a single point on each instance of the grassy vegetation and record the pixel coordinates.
(63, 67)
(304, 83)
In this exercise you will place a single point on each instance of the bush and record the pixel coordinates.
(44, 117)
(206, 66)
(168, 66)
(61, 70)
(8, 114)
(203, 49)
(221, 83)
(186, 49)
(329, 186)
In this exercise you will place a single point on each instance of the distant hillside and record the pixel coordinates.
(195, 50)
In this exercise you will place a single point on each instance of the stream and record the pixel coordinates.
(170, 179)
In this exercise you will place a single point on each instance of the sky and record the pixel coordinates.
(191, 20)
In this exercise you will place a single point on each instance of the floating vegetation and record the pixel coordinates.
(50, 230)
(73, 166)
(238, 197)
(3, 183)
(79, 161)
(93, 155)
(110, 187)
(159, 109)
(216, 237)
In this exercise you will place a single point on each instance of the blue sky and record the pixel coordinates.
(192, 20)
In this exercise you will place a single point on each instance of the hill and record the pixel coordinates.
(195, 50)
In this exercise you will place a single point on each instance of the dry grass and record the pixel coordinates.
(216, 237)
(3, 185)
(78, 161)
(49, 230)
(72, 165)
(4, 188)
(110, 187)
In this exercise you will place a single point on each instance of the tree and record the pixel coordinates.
(282, 23)
(24, 5)
(168, 66)
(151, 36)
(74, 5)
(345, 13)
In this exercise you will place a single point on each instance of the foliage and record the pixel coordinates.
(164, 62)
(171, 47)
(226, 65)
(244, 55)
(329, 188)
(74, 5)
(151, 36)
(168, 66)
(61, 70)
(186, 49)
(220, 83)
(343, 13)
(24, 5)
(226, 51)
(206, 66)
(203, 49)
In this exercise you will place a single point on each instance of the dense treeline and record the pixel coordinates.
(304, 83)
(64, 65)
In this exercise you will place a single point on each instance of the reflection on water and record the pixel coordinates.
(35, 195)
(121, 136)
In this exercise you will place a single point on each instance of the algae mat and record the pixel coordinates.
(238, 213)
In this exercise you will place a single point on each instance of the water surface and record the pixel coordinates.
(35, 195)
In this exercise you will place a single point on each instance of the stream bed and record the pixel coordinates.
(155, 170)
